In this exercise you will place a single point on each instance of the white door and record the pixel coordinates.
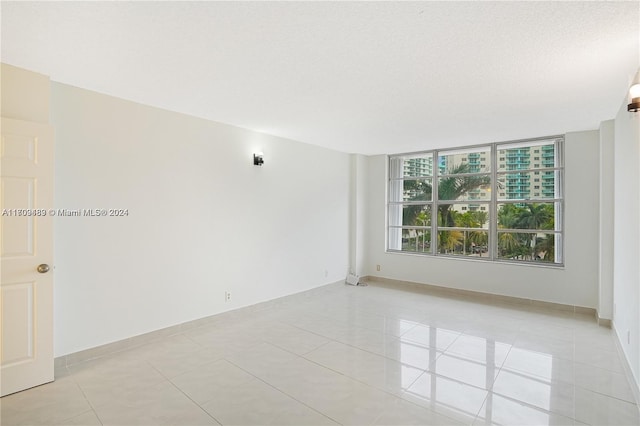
(26, 234)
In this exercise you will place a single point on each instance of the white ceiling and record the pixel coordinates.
(365, 77)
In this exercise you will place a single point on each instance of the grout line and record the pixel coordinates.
(283, 392)
(86, 398)
(187, 396)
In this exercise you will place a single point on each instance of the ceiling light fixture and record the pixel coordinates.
(634, 94)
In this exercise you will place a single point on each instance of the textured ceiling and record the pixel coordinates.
(365, 77)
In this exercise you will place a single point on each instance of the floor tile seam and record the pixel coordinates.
(303, 355)
(484, 401)
(363, 328)
(123, 350)
(535, 407)
(81, 414)
(440, 353)
(187, 396)
(531, 406)
(407, 401)
(541, 335)
(84, 395)
(461, 355)
(533, 376)
(605, 395)
(154, 383)
(453, 379)
(598, 366)
(340, 373)
(552, 381)
(310, 331)
(398, 336)
(414, 382)
(466, 358)
(573, 361)
(408, 398)
(272, 386)
(426, 346)
(355, 379)
(193, 341)
(538, 351)
(375, 353)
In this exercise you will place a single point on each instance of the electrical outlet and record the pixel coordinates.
(326, 273)
(227, 296)
(377, 267)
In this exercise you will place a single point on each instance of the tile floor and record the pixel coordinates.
(351, 355)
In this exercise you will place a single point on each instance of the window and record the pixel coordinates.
(464, 203)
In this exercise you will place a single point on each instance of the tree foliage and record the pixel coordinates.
(454, 187)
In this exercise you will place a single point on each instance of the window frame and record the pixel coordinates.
(394, 232)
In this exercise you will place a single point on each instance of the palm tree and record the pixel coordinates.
(419, 190)
(449, 240)
(508, 243)
(450, 188)
(423, 219)
(453, 187)
(534, 216)
(466, 220)
(547, 245)
(481, 217)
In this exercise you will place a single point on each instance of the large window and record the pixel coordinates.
(501, 201)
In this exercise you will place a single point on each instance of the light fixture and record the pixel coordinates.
(634, 94)
(258, 159)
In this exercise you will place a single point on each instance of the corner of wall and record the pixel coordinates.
(25, 94)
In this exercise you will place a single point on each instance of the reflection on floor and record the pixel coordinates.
(352, 355)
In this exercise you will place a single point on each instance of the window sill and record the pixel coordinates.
(559, 266)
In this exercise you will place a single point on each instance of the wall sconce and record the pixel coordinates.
(258, 159)
(634, 94)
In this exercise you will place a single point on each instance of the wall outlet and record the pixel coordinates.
(377, 267)
(227, 296)
(326, 273)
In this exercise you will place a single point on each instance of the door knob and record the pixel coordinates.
(43, 268)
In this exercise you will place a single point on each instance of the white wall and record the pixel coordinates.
(25, 94)
(202, 219)
(626, 277)
(575, 284)
(359, 214)
(607, 208)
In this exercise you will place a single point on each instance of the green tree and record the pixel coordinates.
(418, 190)
(466, 220)
(509, 245)
(534, 216)
(424, 219)
(450, 188)
(454, 187)
(546, 246)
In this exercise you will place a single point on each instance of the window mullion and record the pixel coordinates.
(434, 204)
(493, 209)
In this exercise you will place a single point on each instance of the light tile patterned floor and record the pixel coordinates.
(351, 355)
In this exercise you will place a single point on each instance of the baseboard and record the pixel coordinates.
(603, 322)
(60, 363)
(633, 384)
(481, 296)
